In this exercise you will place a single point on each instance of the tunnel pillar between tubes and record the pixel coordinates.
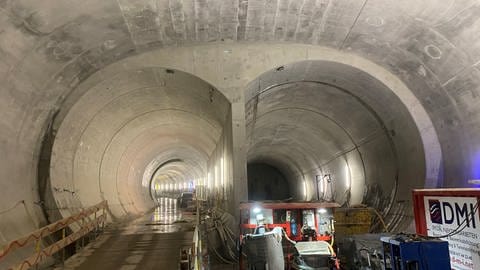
(240, 184)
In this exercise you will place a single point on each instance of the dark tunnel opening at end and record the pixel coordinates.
(267, 182)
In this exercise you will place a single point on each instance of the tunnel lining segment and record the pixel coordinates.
(159, 167)
(373, 98)
(110, 122)
(291, 53)
(352, 140)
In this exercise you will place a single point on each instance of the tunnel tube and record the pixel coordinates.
(266, 182)
(424, 51)
(347, 136)
(121, 133)
(250, 52)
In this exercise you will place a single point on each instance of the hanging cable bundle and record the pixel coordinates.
(221, 239)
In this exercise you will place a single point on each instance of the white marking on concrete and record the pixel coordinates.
(433, 51)
(376, 21)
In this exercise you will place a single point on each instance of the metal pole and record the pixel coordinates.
(63, 250)
(83, 237)
(104, 214)
(37, 250)
(96, 226)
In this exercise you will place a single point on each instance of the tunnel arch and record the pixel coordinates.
(65, 87)
(122, 126)
(425, 51)
(153, 175)
(355, 105)
(292, 54)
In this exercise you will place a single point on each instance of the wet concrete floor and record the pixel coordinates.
(152, 241)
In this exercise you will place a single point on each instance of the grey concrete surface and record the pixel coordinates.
(124, 128)
(413, 64)
(352, 141)
(152, 241)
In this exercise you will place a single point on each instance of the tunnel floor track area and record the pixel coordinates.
(152, 241)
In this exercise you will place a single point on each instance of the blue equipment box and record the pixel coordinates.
(409, 252)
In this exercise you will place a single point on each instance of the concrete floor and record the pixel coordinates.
(152, 241)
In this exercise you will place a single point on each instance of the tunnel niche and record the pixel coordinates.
(341, 134)
(266, 182)
(128, 137)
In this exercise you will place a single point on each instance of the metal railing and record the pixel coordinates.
(83, 219)
(191, 258)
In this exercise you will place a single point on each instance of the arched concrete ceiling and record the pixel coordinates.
(318, 118)
(426, 52)
(121, 126)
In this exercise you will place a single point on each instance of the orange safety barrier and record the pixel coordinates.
(36, 236)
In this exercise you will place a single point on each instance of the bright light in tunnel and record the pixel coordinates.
(156, 215)
(305, 189)
(347, 176)
(216, 176)
(256, 210)
(475, 180)
(209, 179)
(222, 172)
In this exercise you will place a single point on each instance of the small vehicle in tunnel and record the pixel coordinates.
(185, 199)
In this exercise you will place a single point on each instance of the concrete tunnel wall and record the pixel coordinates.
(338, 134)
(426, 53)
(120, 125)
